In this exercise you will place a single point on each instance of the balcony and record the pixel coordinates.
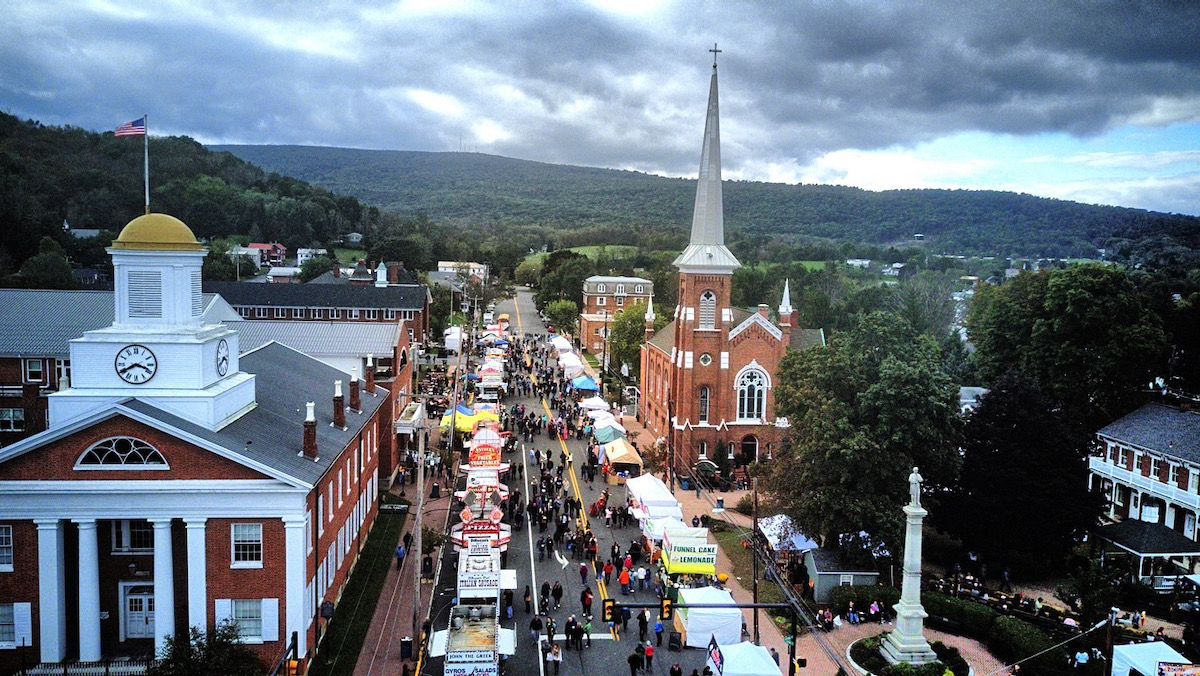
(410, 418)
(1168, 492)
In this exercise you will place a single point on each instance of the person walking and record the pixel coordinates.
(649, 656)
(583, 573)
(608, 571)
(585, 600)
(636, 662)
(555, 658)
(643, 621)
(528, 599)
(658, 631)
(557, 593)
(401, 552)
(535, 628)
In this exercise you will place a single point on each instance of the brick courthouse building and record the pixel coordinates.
(708, 377)
(180, 483)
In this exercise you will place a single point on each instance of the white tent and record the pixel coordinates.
(701, 624)
(783, 535)
(561, 344)
(744, 659)
(569, 359)
(594, 404)
(1143, 658)
(610, 422)
(650, 490)
(654, 529)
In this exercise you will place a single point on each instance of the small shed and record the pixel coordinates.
(784, 539)
(827, 569)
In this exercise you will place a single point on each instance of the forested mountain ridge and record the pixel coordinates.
(474, 189)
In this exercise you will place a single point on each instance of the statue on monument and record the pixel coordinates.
(914, 487)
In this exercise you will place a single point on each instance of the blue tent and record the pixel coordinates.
(607, 434)
(584, 383)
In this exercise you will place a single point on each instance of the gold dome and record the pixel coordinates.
(157, 232)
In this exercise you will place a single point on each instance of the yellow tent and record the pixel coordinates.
(619, 452)
(465, 422)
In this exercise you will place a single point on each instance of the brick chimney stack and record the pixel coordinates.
(355, 400)
(764, 310)
(337, 270)
(310, 432)
(370, 374)
(339, 406)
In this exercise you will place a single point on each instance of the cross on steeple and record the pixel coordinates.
(715, 51)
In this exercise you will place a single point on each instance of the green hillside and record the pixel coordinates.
(474, 189)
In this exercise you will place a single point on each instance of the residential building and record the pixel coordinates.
(304, 255)
(255, 255)
(1147, 467)
(476, 272)
(182, 481)
(708, 377)
(603, 298)
(273, 253)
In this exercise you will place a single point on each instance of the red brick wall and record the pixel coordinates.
(56, 461)
(227, 582)
(21, 586)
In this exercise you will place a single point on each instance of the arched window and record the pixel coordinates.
(708, 310)
(121, 453)
(703, 409)
(751, 395)
(703, 450)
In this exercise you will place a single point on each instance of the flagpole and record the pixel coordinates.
(146, 159)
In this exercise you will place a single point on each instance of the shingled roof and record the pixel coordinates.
(1160, 428)
(320, 295)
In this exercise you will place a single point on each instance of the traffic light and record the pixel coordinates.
(609, 611)
(292, 668)
(801, 662)
(666, 609)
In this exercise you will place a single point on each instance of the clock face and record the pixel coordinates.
(135, 364)
(222, 357)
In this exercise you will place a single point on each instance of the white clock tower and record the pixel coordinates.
(158, 348)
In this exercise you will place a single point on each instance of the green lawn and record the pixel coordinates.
(614, 250)
(348, 256)
(730, 542)
(347, 630)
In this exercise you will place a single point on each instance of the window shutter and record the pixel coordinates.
(22, 624)
(223, 610)
(270, 620)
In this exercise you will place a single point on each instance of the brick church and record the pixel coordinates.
(181, 482)
(708, 377)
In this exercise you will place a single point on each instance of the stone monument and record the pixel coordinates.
(906, 643)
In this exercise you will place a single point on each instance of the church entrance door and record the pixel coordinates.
(138, 610)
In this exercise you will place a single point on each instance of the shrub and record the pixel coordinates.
(906, 669)
(976, 619)
(745, 505)
(862, 595)
(950, 656)
(1012, 640)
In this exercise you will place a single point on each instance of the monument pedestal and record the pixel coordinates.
(906, 643)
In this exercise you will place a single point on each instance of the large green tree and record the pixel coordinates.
(1084, 335)
(563, 315)
(626, 333)
(864, 410)
(1022, 495)
(218, 651)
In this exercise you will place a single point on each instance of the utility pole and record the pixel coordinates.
(417, 554)
(604, 359)
(754, 557)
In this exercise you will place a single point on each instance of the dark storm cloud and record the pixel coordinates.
(566, 82)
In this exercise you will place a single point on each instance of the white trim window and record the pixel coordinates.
(132, 536)
(6, 550)
(16, 625)
(702, 451)
(121, 453)
(247, 545)
(34, 370)
(12, 420)
(639, 289)
(257, 620)
(600, 288)
(260, 312)
(600, 301)
(372, 314)
(620, 288)
(280, 313)
(702, 410)
(62, 369)
(751, 395)
(620, 300)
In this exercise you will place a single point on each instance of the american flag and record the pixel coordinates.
(135, 128)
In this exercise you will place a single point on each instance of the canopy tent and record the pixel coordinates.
(594, 404)
(466, 419)
(689, 552)
(610, 423)
(703, 624)
(744, 659)
(1143, 658)
(783, 536)
(561, 344)
(619, 452)
(660, 511)
(607, 435)
(650, 490)
(584, 383)
(654, 529)
(597, 415)
(569, 359)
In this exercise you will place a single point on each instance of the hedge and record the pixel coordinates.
(1014, 639)
(863, 595)
(976, 619)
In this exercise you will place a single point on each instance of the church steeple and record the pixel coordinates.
(706, 251)
(785, 305)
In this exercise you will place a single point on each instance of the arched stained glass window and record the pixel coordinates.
(751, 395)
(702, 414)
(121, 453)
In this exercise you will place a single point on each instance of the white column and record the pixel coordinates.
(293, 606)
(89, 591)
(197, 570)
(52, 601)
(164, 583)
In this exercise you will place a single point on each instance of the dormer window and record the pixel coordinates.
(620, 288)
(600, 288)
(121, 453)
(639, 289)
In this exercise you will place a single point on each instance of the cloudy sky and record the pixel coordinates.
(1089, 100)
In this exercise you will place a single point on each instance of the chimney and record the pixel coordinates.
(764, 311)
(394, 272)
(371, 374)
(337, 270)
(339, 406)
(355, 401)
(310, 432)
